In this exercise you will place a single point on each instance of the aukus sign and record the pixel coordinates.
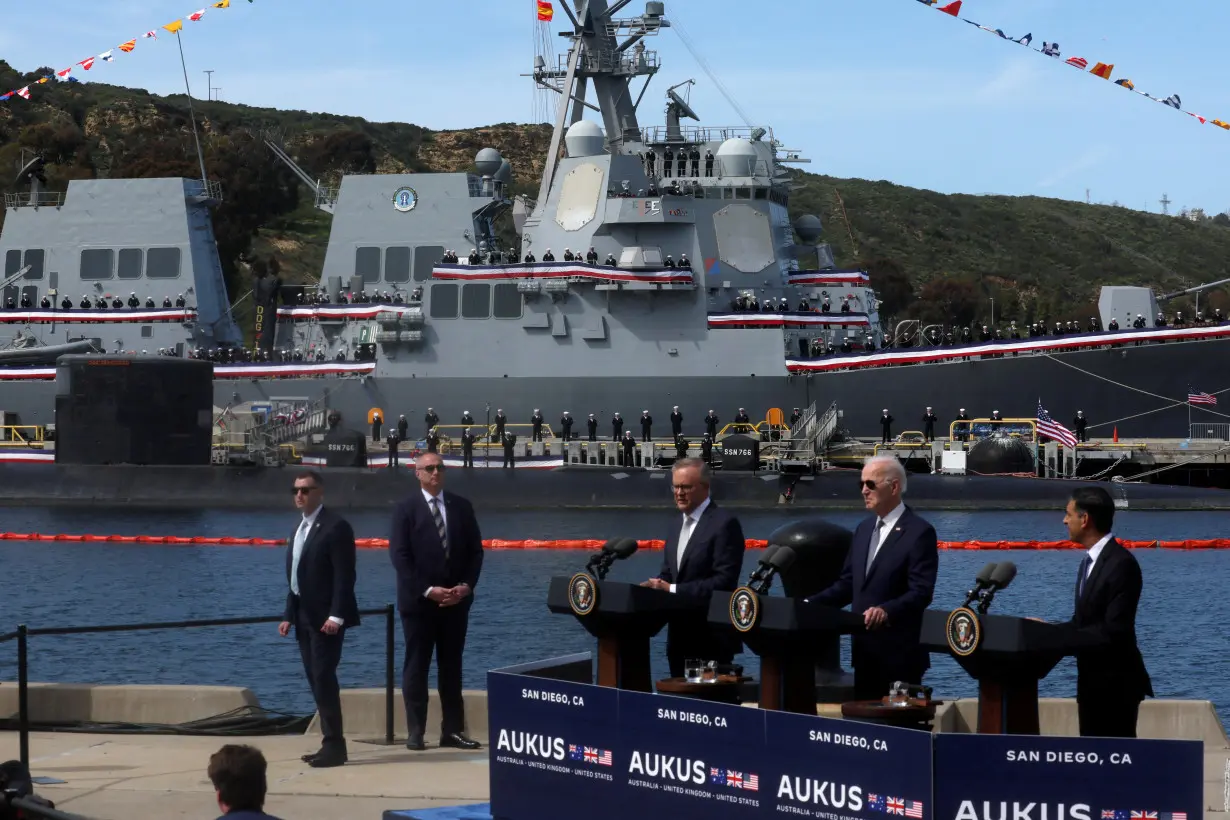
(563, 751)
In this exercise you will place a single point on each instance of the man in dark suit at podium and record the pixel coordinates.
(703, 554)
(1111, 679)
(889, 578)
(437, 549)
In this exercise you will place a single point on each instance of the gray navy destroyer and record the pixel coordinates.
(656, 267)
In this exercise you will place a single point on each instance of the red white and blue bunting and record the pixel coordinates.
(254, 370)
(829, 278)
(761, 320)
(360, 311)
(1052, 344)
(114, 316)
(561, 270)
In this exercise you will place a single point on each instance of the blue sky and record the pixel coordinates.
(878, 89)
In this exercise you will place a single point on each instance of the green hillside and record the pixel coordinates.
(933, 256)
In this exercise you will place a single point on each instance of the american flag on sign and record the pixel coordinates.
(604, 757)
(1047, 426)
(896, 805)
(735, 779)
(914, 808)
(598, 757)
(1200, 397)
(1173, 815)
(752, 784)
(875, 802)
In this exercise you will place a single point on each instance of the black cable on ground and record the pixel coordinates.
(244, 721)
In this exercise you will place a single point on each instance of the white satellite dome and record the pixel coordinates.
(737, 158)
(584, 139)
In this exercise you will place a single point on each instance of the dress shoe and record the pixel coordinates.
(308, 758)
(459, 741)
(328, 760)
(415, 743)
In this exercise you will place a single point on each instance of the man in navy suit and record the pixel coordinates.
(320, 605)
(1111, 679)
(703, 554)
(888, 577)
(437, 549)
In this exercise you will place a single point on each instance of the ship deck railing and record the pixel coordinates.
(523, 432)
(981, 428)
(657, 134)
(42, 199)
(22, 435)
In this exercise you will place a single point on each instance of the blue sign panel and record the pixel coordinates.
(842, 768)
(553, 748)
(690, 758)
(995, 777)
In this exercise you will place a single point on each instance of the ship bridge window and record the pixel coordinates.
(425, 259)
(443, 301)
(761, 193)
(35, 259)
(367, 264)
(507, 303)
(130, 263)
(12, 263)
(396, 265)
(97, 263)
(162, 263)
(743, 193)
(476, 301)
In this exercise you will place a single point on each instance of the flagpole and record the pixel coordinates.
(191, 113)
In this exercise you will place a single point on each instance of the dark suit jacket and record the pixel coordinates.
(1107, 613)
(901, 582)
(418, 555)
(247, 815)
(711, 563)
(326, 572)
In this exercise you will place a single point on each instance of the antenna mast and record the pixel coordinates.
(1165, 200)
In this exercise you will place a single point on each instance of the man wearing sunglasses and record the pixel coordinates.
(320, 570)
(889, 578)
(437, 550)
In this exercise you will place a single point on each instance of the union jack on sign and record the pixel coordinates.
(897, 806)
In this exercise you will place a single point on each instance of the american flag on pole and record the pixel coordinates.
(1047, 426)
(1200, 397)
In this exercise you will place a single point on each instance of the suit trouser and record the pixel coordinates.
(467, 457)
(321, 654)
(1107, 715)
(442, 630)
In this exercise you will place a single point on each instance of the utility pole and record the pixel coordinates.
(1165, 200)
(209, 84)
(1087, 199)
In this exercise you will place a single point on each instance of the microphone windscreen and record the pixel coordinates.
(625, 547)
(769, 552)
(783, 558)
(1004, 573)
(609, 546)
(986, 573)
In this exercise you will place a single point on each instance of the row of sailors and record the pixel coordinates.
(746, 303)
(238, 355)
(321, 297)
(814, 348)
(677, 162)
(590, 258)
(98, 303)
(625, 191)
(537, 421)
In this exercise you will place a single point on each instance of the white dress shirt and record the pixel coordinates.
(686, 529)
(889, 522)
(438, 500)
(1095, 551)
(301, 537)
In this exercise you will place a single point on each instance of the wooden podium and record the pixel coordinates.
(623, 617)
(786, 633)
(1010, 656)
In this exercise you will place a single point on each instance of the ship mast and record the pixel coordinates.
(607, 53)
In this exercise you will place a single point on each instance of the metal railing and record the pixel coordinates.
(42, 199)
(23, 633)
(11, 435)
(1210, 431)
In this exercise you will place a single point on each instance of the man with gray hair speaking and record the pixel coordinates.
(888, 578)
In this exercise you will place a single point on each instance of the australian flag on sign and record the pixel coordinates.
(575, 752)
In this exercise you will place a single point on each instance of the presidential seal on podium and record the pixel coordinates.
(744, 609)
(582, 593)
(964, 631)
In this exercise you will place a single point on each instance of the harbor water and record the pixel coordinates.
(1181, 622)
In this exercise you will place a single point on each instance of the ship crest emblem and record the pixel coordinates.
(744, 609)
(405, 199)
(582, 593)
(964, 632)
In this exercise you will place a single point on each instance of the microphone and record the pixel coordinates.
(598, 557)
(614, 550)
(981, 582)
(624, 547)
(1002, 577)
(781, 559)
(763, 566)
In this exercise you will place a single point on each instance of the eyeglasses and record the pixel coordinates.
(869, 484)
(432, 468)
(683, 488)
(303, 490)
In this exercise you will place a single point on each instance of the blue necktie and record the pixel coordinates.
(1084, 572)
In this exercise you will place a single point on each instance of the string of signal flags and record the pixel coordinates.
(127, 47)
(1048, 49)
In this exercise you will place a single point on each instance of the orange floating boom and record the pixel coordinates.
(585, 543)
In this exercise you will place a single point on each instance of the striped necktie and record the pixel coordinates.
(440, 528)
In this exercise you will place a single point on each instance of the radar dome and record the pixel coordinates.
(488, 162)
(809, 228)
(505, 172)
(737, 158)
(584, 139)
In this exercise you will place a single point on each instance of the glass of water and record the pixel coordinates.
(691, 670)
